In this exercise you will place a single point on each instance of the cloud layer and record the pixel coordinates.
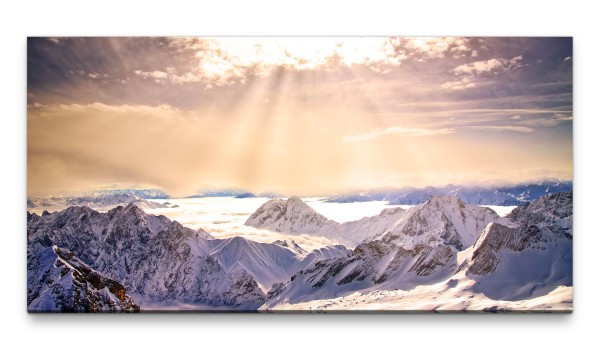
(407, 132)
(223, 61)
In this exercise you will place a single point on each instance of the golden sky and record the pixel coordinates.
(296, 115)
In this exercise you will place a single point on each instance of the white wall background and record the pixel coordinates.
(308, 17)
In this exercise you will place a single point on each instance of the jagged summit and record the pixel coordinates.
(291, 244)
(442, 219)
(445, 199)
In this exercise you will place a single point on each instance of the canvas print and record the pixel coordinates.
(299, 174)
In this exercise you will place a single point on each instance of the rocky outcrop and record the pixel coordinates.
(535, 225)
(528, 254)
(66, 284)
(291, 244)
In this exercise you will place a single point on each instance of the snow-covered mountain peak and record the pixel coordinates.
(445, 200)
(294, 206)
(440, 220)
(291, 215)
(294, 200)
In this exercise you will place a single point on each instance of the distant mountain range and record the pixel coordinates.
(505, 195)
(509, 195)
(98, 201)
(500, 196)
(238, 194)
(139, 193)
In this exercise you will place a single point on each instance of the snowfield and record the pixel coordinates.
(436, 298)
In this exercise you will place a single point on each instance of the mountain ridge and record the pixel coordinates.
(161, 262)
(384, 265)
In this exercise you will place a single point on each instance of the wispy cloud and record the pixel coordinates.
(158, 76)
(468, 73)
(519, 129)
(408, 132)
(84, 74)
(554, 120)
(98, 108)
(463, 83)
(489, 65)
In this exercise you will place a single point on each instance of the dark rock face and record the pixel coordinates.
(430, 258)
(547, 209)
(529, 255)
(499, 237)
(535, 225)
